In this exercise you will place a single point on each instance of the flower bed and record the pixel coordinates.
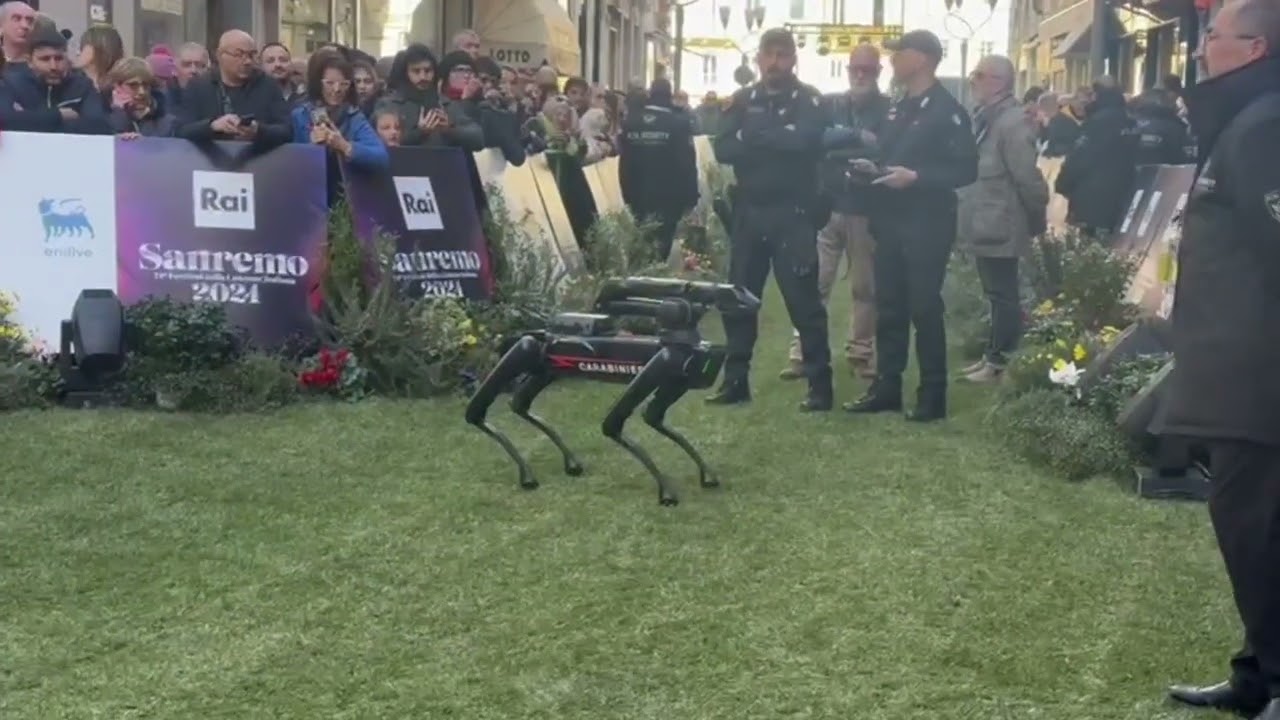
(368, 340)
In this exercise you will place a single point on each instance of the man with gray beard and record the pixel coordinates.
(856, 116)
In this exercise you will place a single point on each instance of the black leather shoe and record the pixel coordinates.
(931, 405)
(881, 397)
(818, 401)
(1224, 696)
(732, 392)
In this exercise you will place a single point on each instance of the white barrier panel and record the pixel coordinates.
(57, 224)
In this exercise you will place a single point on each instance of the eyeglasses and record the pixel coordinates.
(1213, 36)
(336, 84)
(241, 55)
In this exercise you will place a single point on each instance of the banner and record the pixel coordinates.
(224, 227)
(426, 203)
(57, 225)
(1156, 244)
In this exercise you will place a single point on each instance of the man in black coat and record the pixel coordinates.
(1225, 387)
(235, 100)
(1162, 136)
(1098, 174)
(657, 165)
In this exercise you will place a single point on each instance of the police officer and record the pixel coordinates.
(927, 151)
(1224, 391)
(657, 165)
(772, 137)
(1162, 136)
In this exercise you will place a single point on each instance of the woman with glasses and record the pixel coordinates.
(137, 105)
(331, 117)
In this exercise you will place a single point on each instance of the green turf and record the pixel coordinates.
(377, 561)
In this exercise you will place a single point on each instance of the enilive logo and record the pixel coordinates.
(222, 200)
(418, 203)
(64, 219)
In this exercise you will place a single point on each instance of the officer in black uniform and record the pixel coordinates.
(657, 165)
(772, 137)
(927, 151)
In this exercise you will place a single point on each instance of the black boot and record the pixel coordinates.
(931, 404)
(821, 395)
(731, 392)
(1223, 696)
(885, 395)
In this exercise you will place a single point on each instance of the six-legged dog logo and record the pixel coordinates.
(64, 219)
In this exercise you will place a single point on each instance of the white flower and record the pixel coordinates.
(1065, 374)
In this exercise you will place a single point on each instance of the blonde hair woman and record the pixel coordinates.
(100, 49)
(137, 108)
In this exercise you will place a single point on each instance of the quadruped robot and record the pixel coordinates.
(592, 346)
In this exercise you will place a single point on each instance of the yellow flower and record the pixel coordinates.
(1079, 353)
(1044, 308)
(1059, 365)
(470, 340)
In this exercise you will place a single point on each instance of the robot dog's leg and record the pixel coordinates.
(522, 400)
(656, 412)
(524, 357)
(661, 369)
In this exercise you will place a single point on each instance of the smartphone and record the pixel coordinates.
(246, 120)
(319, 116)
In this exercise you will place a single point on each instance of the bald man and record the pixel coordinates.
(468, 42)
(17, 19)
(858, 114)
(1224, 392)
(236, 101)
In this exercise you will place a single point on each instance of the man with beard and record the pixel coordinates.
(425, 117)
(657, 165)
(278, 65)
(927, 152)
(772, 137)
(857, 115)
(1098, 173)
(1224, 391)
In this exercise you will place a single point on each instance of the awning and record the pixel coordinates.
(528, 34)
(1078, 40)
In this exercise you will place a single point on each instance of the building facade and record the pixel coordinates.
(620, 36)
(1146, 41)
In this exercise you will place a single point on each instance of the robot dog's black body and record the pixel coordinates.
(590, 345)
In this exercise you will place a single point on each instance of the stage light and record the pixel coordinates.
(92, 347)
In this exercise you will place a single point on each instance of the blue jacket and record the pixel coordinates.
(367, 150)
(40, 102)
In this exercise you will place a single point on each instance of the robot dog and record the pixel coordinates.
(590, 345)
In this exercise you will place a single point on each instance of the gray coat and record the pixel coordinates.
(1000, 213)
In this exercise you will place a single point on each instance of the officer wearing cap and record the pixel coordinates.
(772, 137)
(927, 152)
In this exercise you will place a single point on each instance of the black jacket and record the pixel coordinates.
(773, 141)
(1097, 176)
(1226, 312)
(206, 99)
(843, 142)
(1162, 136)
(40, 103)
(1060, 135)
(657, 165)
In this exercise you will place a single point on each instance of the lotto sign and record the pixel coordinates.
(426, 203)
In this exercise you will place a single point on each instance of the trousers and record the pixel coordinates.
(911, 263)
(1244, 505)
(848, 236)
(781, 238)
(667, 221)
(999, 276)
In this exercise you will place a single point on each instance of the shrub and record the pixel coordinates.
(1109, 394)
(1047, 427)
(1086, 279)
(253, 382)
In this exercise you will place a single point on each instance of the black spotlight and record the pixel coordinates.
(92, 348)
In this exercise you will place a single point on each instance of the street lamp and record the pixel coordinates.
(953, 16)
(753, 12)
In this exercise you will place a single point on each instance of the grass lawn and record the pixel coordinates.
(377, 561)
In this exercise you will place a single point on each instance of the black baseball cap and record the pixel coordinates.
(778, 38)
(922, 41)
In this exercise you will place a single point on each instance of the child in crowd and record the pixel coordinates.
(387, 124)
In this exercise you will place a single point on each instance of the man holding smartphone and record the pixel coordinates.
(237, 101)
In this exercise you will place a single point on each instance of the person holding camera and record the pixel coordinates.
(236, 100)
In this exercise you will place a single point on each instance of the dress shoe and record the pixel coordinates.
(1223, 696)
(731, 392)
(793, 371)
(974, 367)
(985, 375)
(931, 404)
(821, 398)
(883, 396)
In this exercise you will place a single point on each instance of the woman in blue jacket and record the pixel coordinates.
(331, 117)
